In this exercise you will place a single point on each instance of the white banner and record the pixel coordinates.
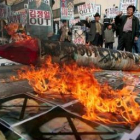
(112, 12)
(39, 17)
(125, 3)
(86, 10)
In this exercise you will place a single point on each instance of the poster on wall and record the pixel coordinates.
(40, 19)
(125, 3)
(67, 9)
(78, 35)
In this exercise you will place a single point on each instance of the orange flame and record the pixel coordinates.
(101, 102)
(12, 29)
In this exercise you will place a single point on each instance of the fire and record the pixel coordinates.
(12, 30)
(102, 103)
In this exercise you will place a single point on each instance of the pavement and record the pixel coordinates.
(7, 87)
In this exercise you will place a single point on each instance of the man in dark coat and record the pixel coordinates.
(128, 29)
(95, 36)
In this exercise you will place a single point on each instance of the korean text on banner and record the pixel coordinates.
(86, 10)
(39, 17)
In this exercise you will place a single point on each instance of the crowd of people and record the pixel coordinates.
(125, 27)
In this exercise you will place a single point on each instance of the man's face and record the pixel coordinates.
(97, 19)
(130, 11)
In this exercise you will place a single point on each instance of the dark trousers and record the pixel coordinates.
(109, 45)
(98, 40)
(125, 42)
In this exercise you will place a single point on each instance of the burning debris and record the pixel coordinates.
(13, 31)
(101, 102)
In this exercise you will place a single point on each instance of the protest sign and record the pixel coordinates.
(67, 9)
(88, 10)
(40, 19)
(112, 12)
(125, 3)
(78, 35)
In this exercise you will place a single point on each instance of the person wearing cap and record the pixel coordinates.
(128, 29)
(95, 36)
(109, 36)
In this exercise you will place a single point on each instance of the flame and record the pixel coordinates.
(102, 103)
(12, 29)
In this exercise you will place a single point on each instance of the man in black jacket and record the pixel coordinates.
(128, 29)
(95, 36)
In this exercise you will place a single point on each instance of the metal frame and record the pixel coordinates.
(34, 131)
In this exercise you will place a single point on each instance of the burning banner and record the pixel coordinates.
(64, 52)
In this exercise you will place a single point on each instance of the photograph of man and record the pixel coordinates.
(42, 32)
(128, 29)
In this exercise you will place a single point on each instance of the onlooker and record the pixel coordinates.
(64, 36)
(95, 36)
(129, 29)
(109, 37)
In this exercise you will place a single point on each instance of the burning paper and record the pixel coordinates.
(101, 102)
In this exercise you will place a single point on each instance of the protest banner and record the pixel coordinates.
(125, 3)
(40, 19)
(78, 35)
(112, 12)
(88, 10)
(67, 9)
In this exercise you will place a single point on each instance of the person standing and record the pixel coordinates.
(95, 36)
(64, 36)
(109, 36)
(128, 29)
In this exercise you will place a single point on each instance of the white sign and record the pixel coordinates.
(86, 10)
(39, 17)
(125, 3)
(112, 12)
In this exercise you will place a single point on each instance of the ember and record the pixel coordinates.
(102, 103)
